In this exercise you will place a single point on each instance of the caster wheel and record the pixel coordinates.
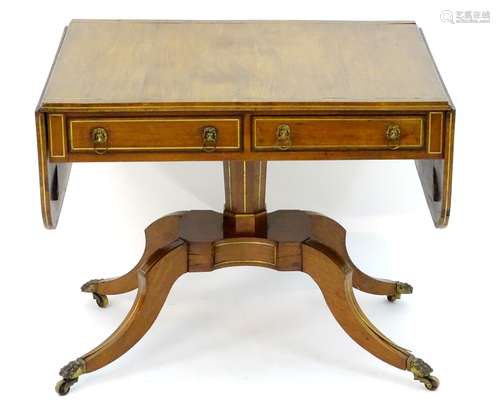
(63, 386)
(432, 383)
(101, 300)
(400, 289)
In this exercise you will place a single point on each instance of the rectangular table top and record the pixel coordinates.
(244, 90)
(116, 62)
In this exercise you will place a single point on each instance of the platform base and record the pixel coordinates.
(197, 241)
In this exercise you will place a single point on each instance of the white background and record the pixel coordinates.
(247, 339)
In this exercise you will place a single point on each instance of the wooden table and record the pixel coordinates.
(244, 93)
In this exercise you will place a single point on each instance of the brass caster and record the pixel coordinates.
(432, 383)
(91, 287)
(70, 374)
(101, 300)
(422, 373)
(400, 289)
(64, 385)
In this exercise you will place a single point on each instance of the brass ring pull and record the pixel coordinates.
(283, 137)
(100, 140)
(209, 139)
(393, 136)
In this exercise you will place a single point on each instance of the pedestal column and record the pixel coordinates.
(245, 207)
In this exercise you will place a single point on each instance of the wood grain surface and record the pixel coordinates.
(137, 79)
(247, 61)
(164, 82)
(193, 241)
(339, 132)
(155, 134)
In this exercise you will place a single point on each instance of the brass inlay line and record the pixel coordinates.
(243, 262)
(248, 214)
(289, 106)
(43, 168)
(371, 326)
(63, 135)
(260, 186)
(338, 118)
(448, 171)
(244, 243)
(229, 185)
(429, 134)
(136, 148)
(244, 186)
(272, 245)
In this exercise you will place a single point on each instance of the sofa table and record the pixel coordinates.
(244, 93)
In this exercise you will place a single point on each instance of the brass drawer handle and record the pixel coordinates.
(209, 139)
(283, 137)
(100, 140)
(393, 135)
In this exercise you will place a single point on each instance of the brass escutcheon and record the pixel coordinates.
(100, 140)
(283, 137)
(209, 139)
(393, 134)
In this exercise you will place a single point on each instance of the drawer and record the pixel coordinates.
(338, 133)
(103, 135)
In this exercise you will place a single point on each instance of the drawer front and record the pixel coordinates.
(154, 134)
(338, 133)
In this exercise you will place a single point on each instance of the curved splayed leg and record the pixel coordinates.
(155, 279)
(160, 233)
(330, 233)
(334, 277)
